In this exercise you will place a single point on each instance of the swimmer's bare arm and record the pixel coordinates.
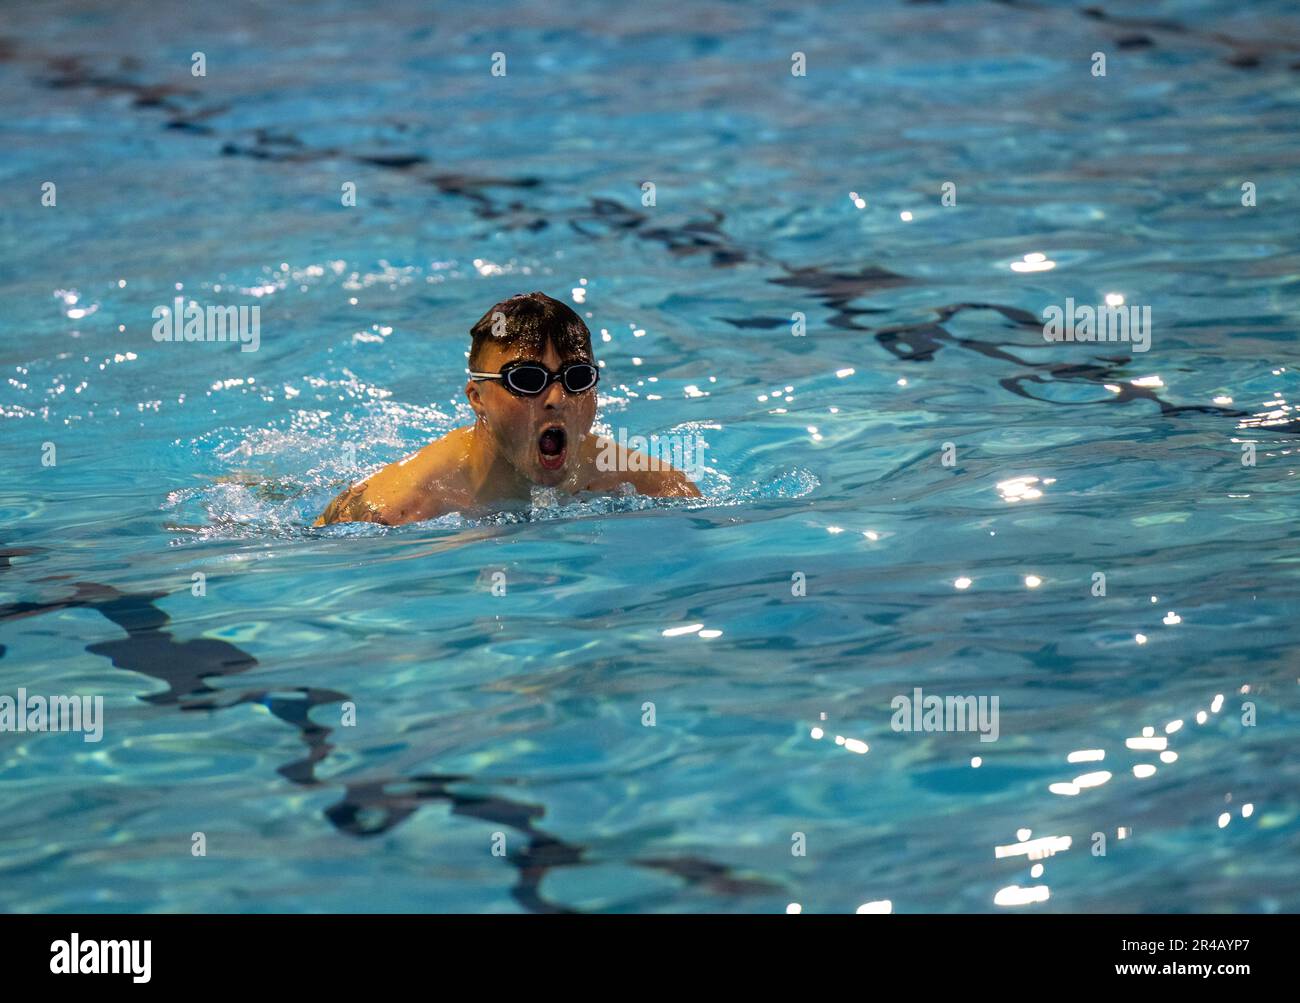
(666, 482)
(399, 493)
(671, 483)
(350, 506)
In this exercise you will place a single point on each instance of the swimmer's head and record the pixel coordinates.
(536, 433)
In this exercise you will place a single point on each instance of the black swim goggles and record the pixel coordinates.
(528, 379)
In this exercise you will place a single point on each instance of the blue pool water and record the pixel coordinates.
(522, 715)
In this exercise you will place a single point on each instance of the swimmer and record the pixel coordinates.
(532, 386)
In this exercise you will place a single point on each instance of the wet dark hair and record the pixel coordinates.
(530, 321)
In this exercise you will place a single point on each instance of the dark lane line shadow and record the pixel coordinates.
(367, 808)
(922, 342)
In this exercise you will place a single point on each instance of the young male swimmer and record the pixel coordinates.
(532, 386)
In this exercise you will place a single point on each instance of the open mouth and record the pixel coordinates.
(551, 447)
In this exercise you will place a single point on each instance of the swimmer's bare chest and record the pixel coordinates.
(432, 483)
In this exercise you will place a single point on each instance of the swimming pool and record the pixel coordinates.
(915, 491)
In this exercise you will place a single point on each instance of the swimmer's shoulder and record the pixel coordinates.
(610, 465)
(423, 485)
